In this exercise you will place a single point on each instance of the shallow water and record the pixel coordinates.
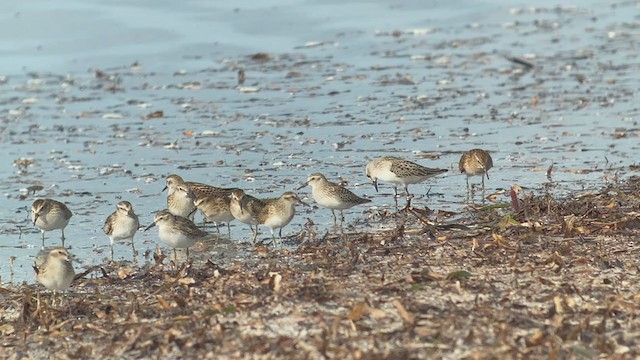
(343, 83)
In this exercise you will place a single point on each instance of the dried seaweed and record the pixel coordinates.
(558, 282)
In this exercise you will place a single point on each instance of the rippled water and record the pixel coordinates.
(341, 84)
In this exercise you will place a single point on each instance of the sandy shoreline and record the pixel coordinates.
(558, 279)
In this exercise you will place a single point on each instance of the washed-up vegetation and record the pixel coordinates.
(557, 279)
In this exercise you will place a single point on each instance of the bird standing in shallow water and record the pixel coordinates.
(245, 208)
(180, 198)
(399, 172)
(176, 231)
(332, 196)
(216, 209)
(186, 193)
(475, 162)
(49, 214)
(278, 213)
(122, 224)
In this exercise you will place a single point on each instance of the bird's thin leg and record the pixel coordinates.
(395, 190)
(280, 233)
(409, 196)
(62, 237)
(217, 228)
(341, 217)
(42, 239)
(408, 205)
(111, 250)
(229, 229)
(273, 237)
(334, 216)
(483, 190)
(133, 248)
(255, 233)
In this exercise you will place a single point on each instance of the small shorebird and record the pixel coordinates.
(278, 213)
(53, 269)
(332, 196)
(399, 172)
(215, 209)
(199, 189)
(475, 162)
(184, 205)
(245, 208)
(180, 199)
(49, 214)
(121, 224)
(176, 231)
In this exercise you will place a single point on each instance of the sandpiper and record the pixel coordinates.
(180, 201)
(332, 196)
(185, 205)
(199, 189)
(245, 208)
(53, 268)
(176, 231)
(475, 162)
(278, 213)
(121, 224)
(399, 172)
(49, 214)
(215, 209)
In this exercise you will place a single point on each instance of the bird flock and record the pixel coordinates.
(221, 205)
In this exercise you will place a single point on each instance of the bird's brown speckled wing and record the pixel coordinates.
(252, 204)
(67, 213)
(405, 168)
(463, 159)
(189, 227)
(344, 194)
(107, 227)
(201, 190)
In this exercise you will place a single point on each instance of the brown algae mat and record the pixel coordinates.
(558, 278)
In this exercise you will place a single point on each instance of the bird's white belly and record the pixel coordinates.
(476, 171)
(47, 223)
(275, 222)
(412, 179)
(243, 216)
(223, 216)
(124, 229)
(176, 239)
(331, 202)
(56, 282)
(183, 207)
